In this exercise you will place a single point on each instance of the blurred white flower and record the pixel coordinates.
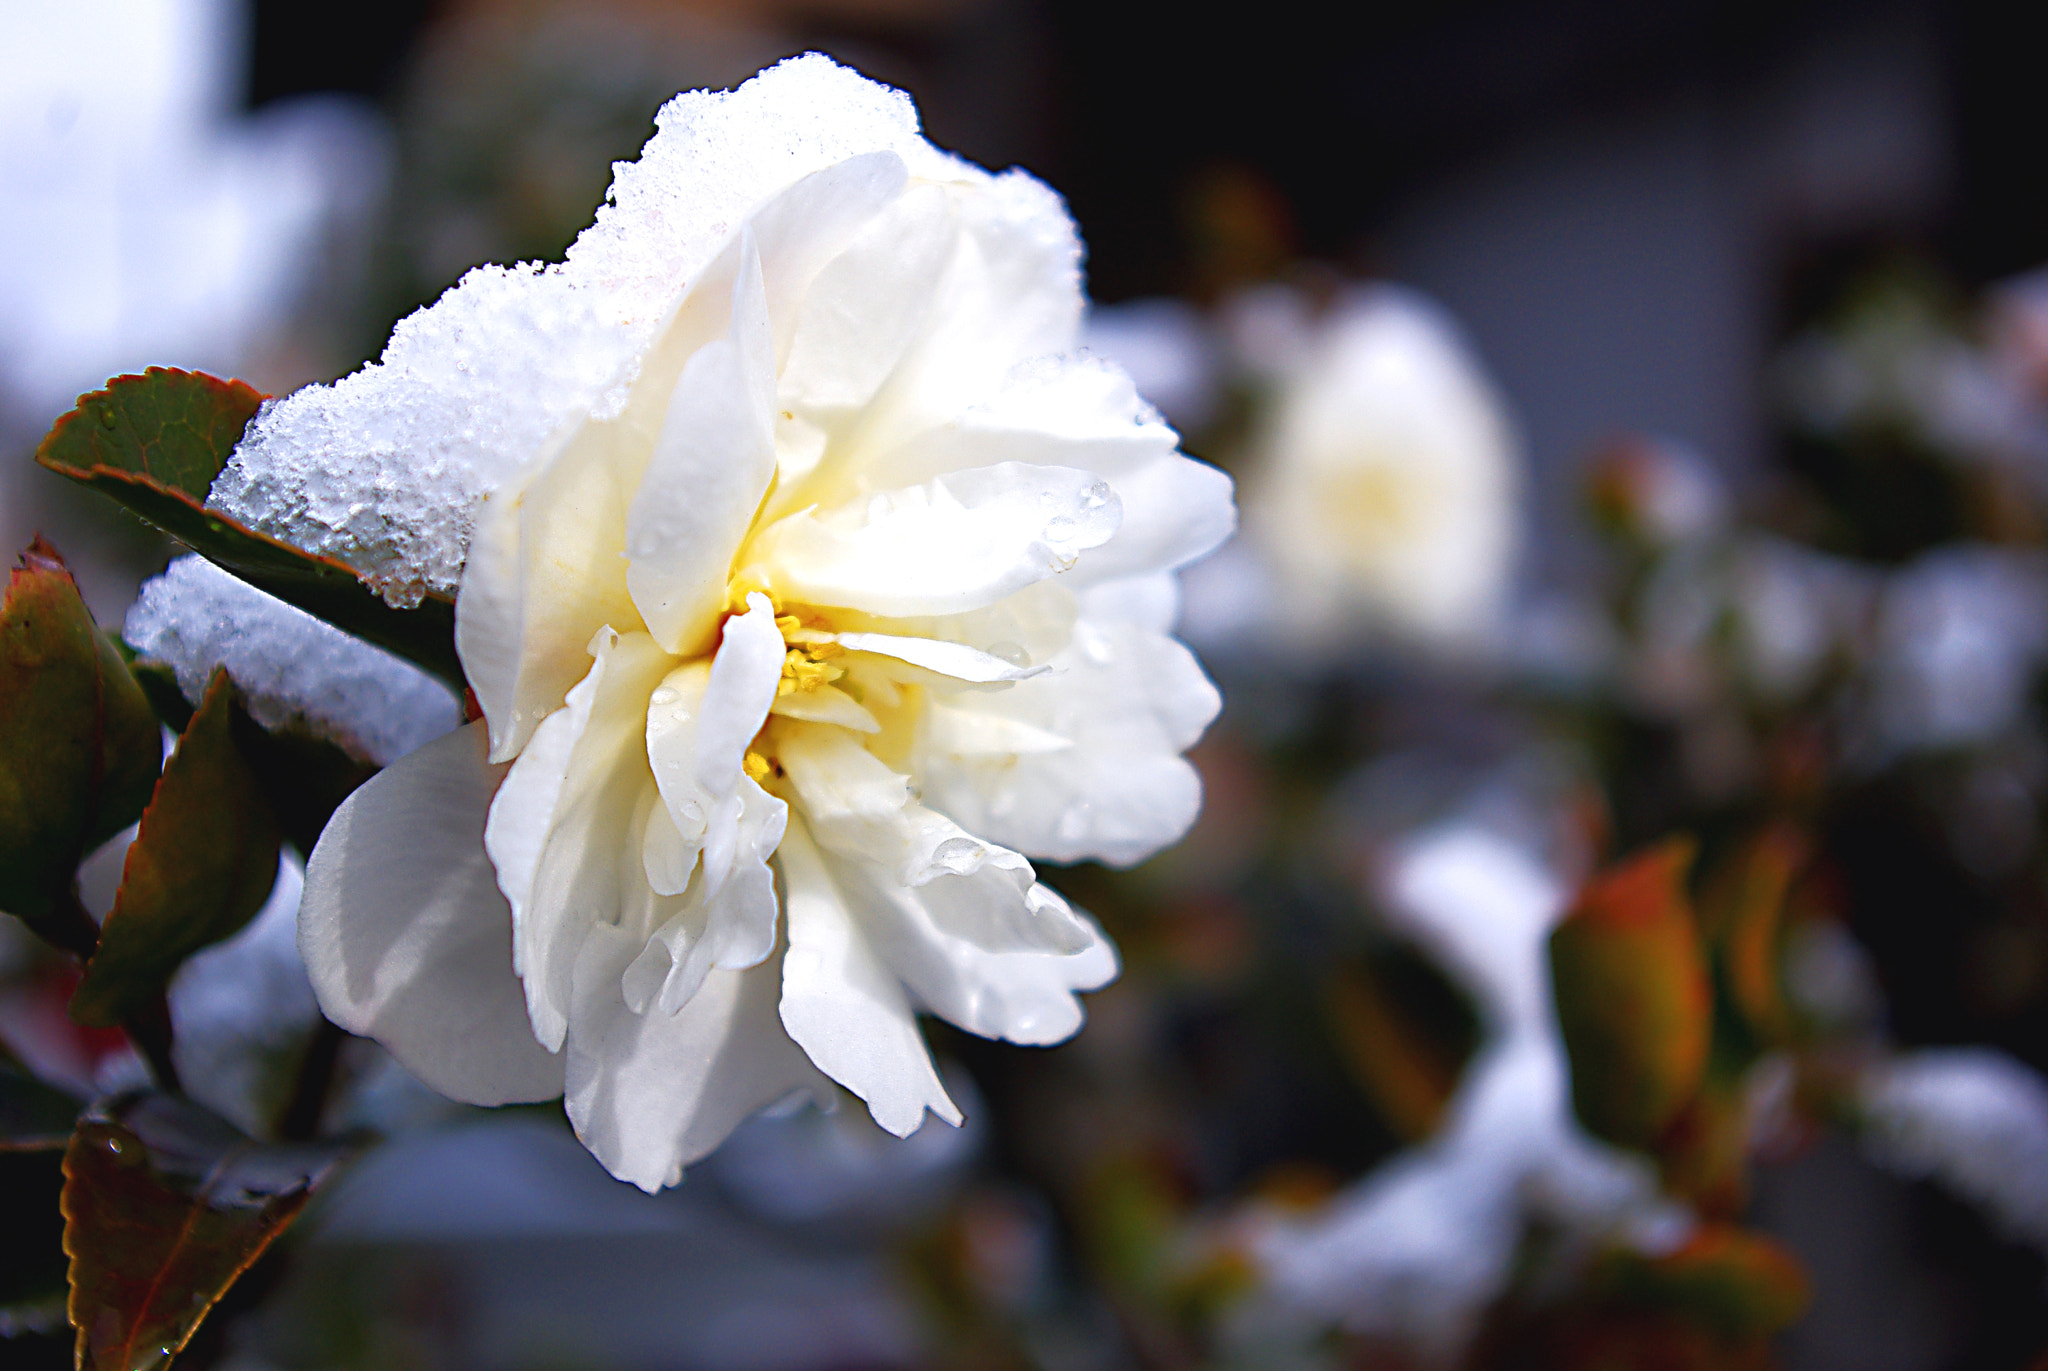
(1417, 1250)
(1961, 633)
(1972, 1118)
(1384, 485)
(144, 219)
(1898, 363)
(797, 552)
(1795, 611)
(1166, 347)
(141, 215)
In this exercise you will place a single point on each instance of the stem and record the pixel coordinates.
(301, 1117)
(149, 1028)
(71, 927)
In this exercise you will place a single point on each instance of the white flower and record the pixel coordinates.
(1384, 486)
(1960, 637)
(808, 580)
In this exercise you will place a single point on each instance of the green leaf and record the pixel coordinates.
(155, 442)
(1633, 998)
(165, 1205)
(201, 865)
(171, 429)
(79, 745)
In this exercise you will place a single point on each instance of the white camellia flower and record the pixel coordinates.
(808, 579)
(1385, 473)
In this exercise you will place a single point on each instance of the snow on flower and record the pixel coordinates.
(1972, 1118)
(1417, 1250)
(1384, 479)
(810, 580)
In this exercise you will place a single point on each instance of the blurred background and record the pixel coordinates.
(1617, 935)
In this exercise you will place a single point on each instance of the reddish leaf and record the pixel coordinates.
(201, 866)
(164, 1207)
(1633, 997)
(304, 777)
(155, 442)
(79, 745)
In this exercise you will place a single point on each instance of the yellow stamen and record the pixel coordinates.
(757, 766)
(802, 669)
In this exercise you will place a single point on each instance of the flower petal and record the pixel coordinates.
(1083, 412)
(826, 704)
(961, 662)
(543, 575)
(712, 463)
(844, 1008)
(651, 1093)
(926, 937)
(865, 307)
(1130, 700)
(956, 543)
(727, 922)
(699, 724)
(562, 829)
(1011, 293)
(856, 808)
(406, 936)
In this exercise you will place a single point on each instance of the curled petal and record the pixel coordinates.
(932, 939)
(699, 723)
(1129, 700)
(727, 923)
(650, 1093)
(844, 1007)
(859, 810)
(563, 831)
